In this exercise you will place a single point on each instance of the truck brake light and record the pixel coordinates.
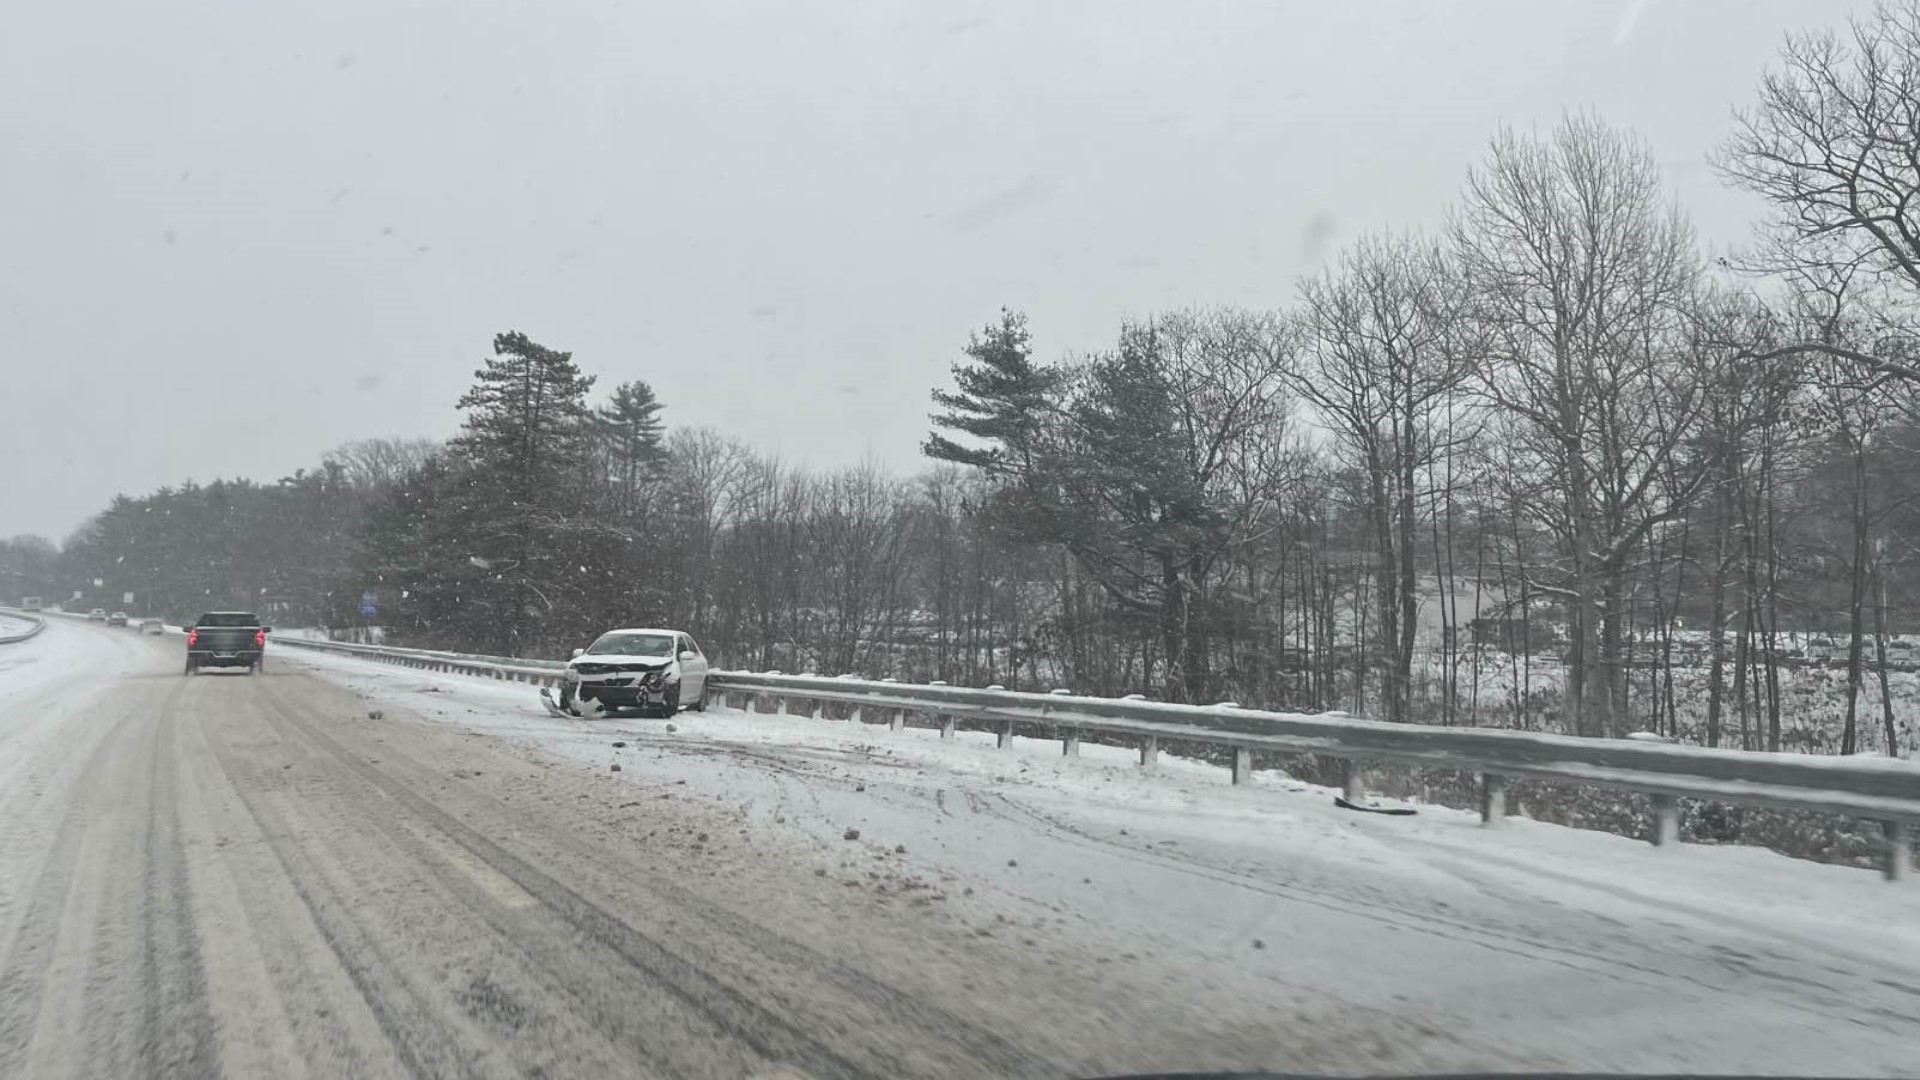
(260, 638)
(193, 638)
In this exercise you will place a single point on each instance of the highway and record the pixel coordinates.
(330, 869)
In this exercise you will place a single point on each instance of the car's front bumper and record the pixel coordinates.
(208, 658)
(621, 689)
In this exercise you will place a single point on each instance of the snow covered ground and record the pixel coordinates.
(1525, 946)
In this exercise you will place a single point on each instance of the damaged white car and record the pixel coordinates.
(656, 671)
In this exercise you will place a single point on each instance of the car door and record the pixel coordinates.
(693, 672)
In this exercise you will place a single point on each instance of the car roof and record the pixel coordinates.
(642, 630)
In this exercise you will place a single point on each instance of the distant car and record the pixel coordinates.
(98, 614)
(152, 626)
(227, 639)
(656, 671)
(118, 618)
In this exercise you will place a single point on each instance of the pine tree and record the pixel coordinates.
(1002, 398)
(630, 425)
(526, 415)
(525, 445)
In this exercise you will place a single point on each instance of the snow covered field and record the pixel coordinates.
(1526, 946)
(1812, 712)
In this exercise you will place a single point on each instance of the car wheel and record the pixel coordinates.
(671, 704)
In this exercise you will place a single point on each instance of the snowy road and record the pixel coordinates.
(251, 876)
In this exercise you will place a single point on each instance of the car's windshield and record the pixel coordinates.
(627, 643)
(765, 536)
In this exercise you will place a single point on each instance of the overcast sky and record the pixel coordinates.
(233, 235)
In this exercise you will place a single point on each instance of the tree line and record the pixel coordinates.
(1549, 466)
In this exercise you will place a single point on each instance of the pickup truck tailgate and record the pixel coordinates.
(226, 639)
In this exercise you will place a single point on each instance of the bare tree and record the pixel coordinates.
(1379, 373)
(1582, 272)
(368, 464)
(1176, 451)
(705, 469)
(1833, 145)
(857, 537)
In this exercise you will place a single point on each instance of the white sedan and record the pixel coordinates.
(656, 671)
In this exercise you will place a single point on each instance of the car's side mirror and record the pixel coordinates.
(266, 629)
(688, 654)
(578, 652)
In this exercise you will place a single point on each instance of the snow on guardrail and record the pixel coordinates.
(1886, 790)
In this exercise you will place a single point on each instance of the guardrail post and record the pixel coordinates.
(779, 704)
(1005, 739)
(1242, 764)
(1353, 780)
(1493, 798)
(896, 719)
(1666, 820)
(946, 722)
(1899, 852)
(1070, 743)
(1150, 751)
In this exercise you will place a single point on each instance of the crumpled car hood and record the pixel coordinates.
(621, 659)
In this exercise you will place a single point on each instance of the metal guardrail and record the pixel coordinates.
(1879, 789)
(35, 622)
(542, 672)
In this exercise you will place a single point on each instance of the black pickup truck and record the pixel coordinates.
(227, 639)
